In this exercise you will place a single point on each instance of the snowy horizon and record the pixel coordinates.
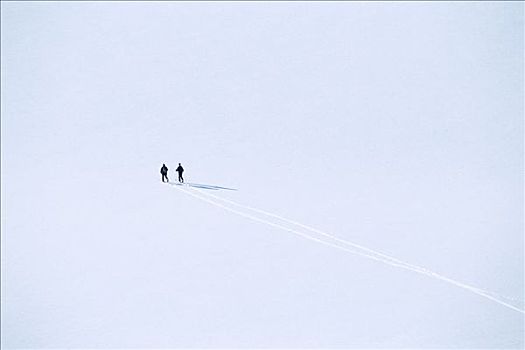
(353, 175)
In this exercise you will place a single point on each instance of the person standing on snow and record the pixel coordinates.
(164, 172)
(180, 170)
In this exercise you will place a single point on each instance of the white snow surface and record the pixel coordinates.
(395, 126)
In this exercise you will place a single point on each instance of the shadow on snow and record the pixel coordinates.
(202, 186)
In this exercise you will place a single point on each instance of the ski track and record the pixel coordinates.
(372, 254)
(352, 244)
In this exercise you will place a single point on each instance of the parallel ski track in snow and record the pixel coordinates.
(365, 252)
(340, 240)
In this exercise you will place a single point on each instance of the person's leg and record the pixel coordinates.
(162, 177)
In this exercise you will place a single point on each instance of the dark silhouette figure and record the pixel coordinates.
(180, 170)
(164, 172)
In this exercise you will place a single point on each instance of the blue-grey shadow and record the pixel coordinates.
(203, 186)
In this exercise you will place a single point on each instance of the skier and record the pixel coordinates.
(180, 170)
(164, 172)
